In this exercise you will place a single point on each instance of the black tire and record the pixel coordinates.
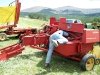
(3, 36)
(87, 62)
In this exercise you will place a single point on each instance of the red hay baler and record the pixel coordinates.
(79, 47)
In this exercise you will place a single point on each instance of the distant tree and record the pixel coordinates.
(96, 20)
(37, 16)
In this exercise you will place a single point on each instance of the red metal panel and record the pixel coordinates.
(37, 39)
(85, 48)
(55, 24)
(41, 39)
(73, 27)
(52, 20)
(28, 40)
(62, 20)
(67, 49)
(11, 51)
(91, 36)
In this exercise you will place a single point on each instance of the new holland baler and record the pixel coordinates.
(79, 47)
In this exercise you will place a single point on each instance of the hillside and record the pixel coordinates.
(62, 10)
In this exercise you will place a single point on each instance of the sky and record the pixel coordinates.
(55, 3)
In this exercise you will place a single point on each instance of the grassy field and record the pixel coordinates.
(26, 22)
(31, 61)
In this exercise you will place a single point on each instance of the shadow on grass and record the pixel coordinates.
(58, 64)
(27, 56)
(13, 38)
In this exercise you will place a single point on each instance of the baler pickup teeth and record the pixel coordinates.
(11, 51)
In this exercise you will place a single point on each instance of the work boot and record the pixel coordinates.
(47, 65)
(55, 43)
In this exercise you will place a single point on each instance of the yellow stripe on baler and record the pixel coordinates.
(7, 14)
(95, 52)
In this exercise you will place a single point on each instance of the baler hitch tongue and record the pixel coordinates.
(11, 51)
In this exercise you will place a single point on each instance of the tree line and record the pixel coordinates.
(37, 16)
(84, 19)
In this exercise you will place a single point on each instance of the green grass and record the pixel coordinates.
(31, 61)
(26, 22)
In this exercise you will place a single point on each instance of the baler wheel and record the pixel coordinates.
(97, 61)
(87, 62)
(3, 36)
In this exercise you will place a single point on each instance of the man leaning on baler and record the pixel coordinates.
(55, 39)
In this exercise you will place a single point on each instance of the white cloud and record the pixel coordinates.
(60, 3)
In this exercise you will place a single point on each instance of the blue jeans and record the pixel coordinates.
(60, 39)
